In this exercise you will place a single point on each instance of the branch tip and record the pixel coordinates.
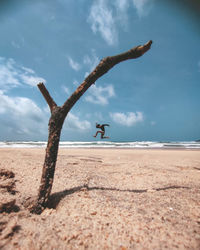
(40, 84)
(47, 96)
(144, 48)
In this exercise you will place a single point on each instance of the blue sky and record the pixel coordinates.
(58, 42)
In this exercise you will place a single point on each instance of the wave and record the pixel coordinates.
(103, 144)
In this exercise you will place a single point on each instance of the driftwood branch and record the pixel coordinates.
(58, 115)
(47, 96)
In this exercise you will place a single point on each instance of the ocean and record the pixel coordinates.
(105, 144)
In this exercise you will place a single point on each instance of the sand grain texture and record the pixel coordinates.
(102, 199)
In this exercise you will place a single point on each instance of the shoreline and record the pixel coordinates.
(106, 145)
(102, 148)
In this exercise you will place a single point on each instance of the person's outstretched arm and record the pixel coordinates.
(105, 125)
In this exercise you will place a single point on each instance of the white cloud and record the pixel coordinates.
(8, 75)
(21, 116)
(129, 119)
(74, 65)
(91, 61)
(13, 75)
(121, 7)
(141, 6)
(102, 20)
(74, 122)
(107, 16)
(75, 82)
(100, 95)
(27, 70)
(31, 79)
(66, 90)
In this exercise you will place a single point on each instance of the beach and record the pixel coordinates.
(102, 199)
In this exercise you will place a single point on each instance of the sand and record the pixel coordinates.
(102, 199)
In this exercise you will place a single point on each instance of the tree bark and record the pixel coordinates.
(55, 126)
(58, 115)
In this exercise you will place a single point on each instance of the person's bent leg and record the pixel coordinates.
(102, 134)
(97, 133)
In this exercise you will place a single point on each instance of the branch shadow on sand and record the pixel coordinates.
(55, 198)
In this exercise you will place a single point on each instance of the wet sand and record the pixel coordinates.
(102, 199)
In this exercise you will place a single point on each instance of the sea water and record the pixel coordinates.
(105, 144)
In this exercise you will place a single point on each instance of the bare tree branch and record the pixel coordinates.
(47, 96)
(103, 67)
(58, 115)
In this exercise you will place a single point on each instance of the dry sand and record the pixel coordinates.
(102, 199)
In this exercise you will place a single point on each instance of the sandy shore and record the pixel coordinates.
(102, 199)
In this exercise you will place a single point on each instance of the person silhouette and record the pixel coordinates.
(102, 131)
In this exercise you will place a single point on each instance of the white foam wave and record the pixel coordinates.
(103, 144)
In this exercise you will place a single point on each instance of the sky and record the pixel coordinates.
(59, 42)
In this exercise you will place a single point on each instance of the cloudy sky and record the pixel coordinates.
(59, 42)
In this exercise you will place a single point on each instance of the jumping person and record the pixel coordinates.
(102, 131)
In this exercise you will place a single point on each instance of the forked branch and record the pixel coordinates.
(58, 115)
(47, 96)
